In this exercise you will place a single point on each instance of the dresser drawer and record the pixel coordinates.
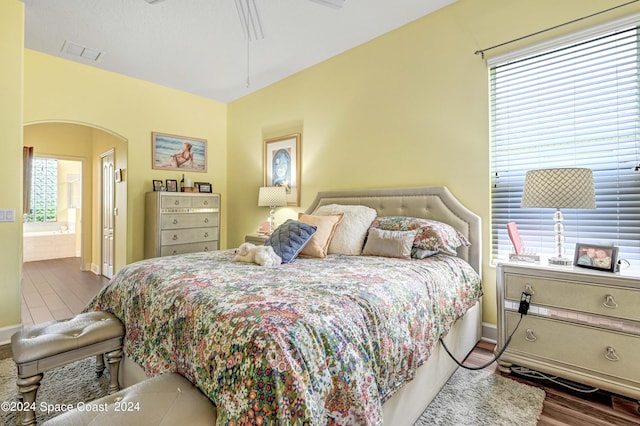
(611, 301)
(576, 346)
(188, 220)
(183, 236)
(206, 202)
(175, 201)
(188, 248)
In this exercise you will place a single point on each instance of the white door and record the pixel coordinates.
(108, 218)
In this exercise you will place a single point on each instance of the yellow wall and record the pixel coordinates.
(409, 108)
(11, 119)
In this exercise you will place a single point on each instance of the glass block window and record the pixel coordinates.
(44, 190)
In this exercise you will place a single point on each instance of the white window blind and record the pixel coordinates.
(571, 106)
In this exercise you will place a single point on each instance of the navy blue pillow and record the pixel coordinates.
(289, 239)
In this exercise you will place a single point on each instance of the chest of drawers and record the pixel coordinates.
(177, 223)
(583, 325)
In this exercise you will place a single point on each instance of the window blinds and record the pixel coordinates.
(570, 106)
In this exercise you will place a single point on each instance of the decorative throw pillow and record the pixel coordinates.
(432, 235)
(290, 238)
(351, 232)
(319, 243)
(389, 243)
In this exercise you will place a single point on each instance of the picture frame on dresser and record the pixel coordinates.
(172, 185)
(157, 185)
(592, 256)
(204, 187)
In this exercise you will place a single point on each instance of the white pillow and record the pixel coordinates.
(351, 232)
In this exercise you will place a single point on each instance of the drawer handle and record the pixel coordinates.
(205, 202)
(174, 252)
(206, 220)
(529, 336)
(175, 237)
(176, 202)
(206, 234)
(206, 248)
(175, 221)
(529, 289)
(611, 354)
(609, 302)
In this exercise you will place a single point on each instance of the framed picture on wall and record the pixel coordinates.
(171, 152)
(282, 165)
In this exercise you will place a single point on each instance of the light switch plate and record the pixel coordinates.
(7, 215)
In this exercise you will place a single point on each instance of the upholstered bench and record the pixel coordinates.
(42, 347)
(169, 399)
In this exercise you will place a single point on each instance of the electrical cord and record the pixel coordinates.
(522, 371)
(504, 348)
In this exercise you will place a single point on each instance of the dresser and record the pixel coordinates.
(177, 223)
(583, 325)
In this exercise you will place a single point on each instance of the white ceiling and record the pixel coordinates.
(199, 46)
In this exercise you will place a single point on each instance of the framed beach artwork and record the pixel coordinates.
(282, 165)
(171, 152)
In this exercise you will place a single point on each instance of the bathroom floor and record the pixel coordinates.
(56, 289)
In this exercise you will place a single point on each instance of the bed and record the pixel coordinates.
(335, 340)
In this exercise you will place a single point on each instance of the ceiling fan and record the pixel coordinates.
(252, 25)
(250, 19)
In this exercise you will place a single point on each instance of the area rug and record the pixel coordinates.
(470, 398)
(477, 398)
(61, 387)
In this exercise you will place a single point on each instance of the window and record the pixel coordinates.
(572, 105)
(44, 190)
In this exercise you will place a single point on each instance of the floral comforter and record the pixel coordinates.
(318, 341)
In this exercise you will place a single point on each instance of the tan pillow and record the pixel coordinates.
(319, 243)
(389, 243)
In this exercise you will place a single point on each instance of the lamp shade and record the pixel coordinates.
(272, 196)
(559, 188)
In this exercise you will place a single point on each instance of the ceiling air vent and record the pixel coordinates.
(76, 49)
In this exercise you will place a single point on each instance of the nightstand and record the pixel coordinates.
(583, 325)
(257, 239)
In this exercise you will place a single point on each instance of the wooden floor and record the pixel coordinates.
(57, 289)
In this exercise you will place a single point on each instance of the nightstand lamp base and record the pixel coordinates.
(560, 261)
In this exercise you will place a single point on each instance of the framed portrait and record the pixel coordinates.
(593, 256)
(203, 187)
(172, 185)
(282, 165)
(157, 185)
(171, 152)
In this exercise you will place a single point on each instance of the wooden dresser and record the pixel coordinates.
(583, 325)
(177, 223)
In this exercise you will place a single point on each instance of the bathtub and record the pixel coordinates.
(50, 240)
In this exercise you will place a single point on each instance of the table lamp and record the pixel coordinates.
(272, 196)
(562, 188)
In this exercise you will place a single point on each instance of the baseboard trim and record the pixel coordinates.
(7, 332)
(95, 269)
(489, 333)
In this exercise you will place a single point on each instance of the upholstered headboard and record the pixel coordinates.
(430, 202)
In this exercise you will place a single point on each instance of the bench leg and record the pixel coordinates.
(28, 387)
(113, 359)
(99, 365)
